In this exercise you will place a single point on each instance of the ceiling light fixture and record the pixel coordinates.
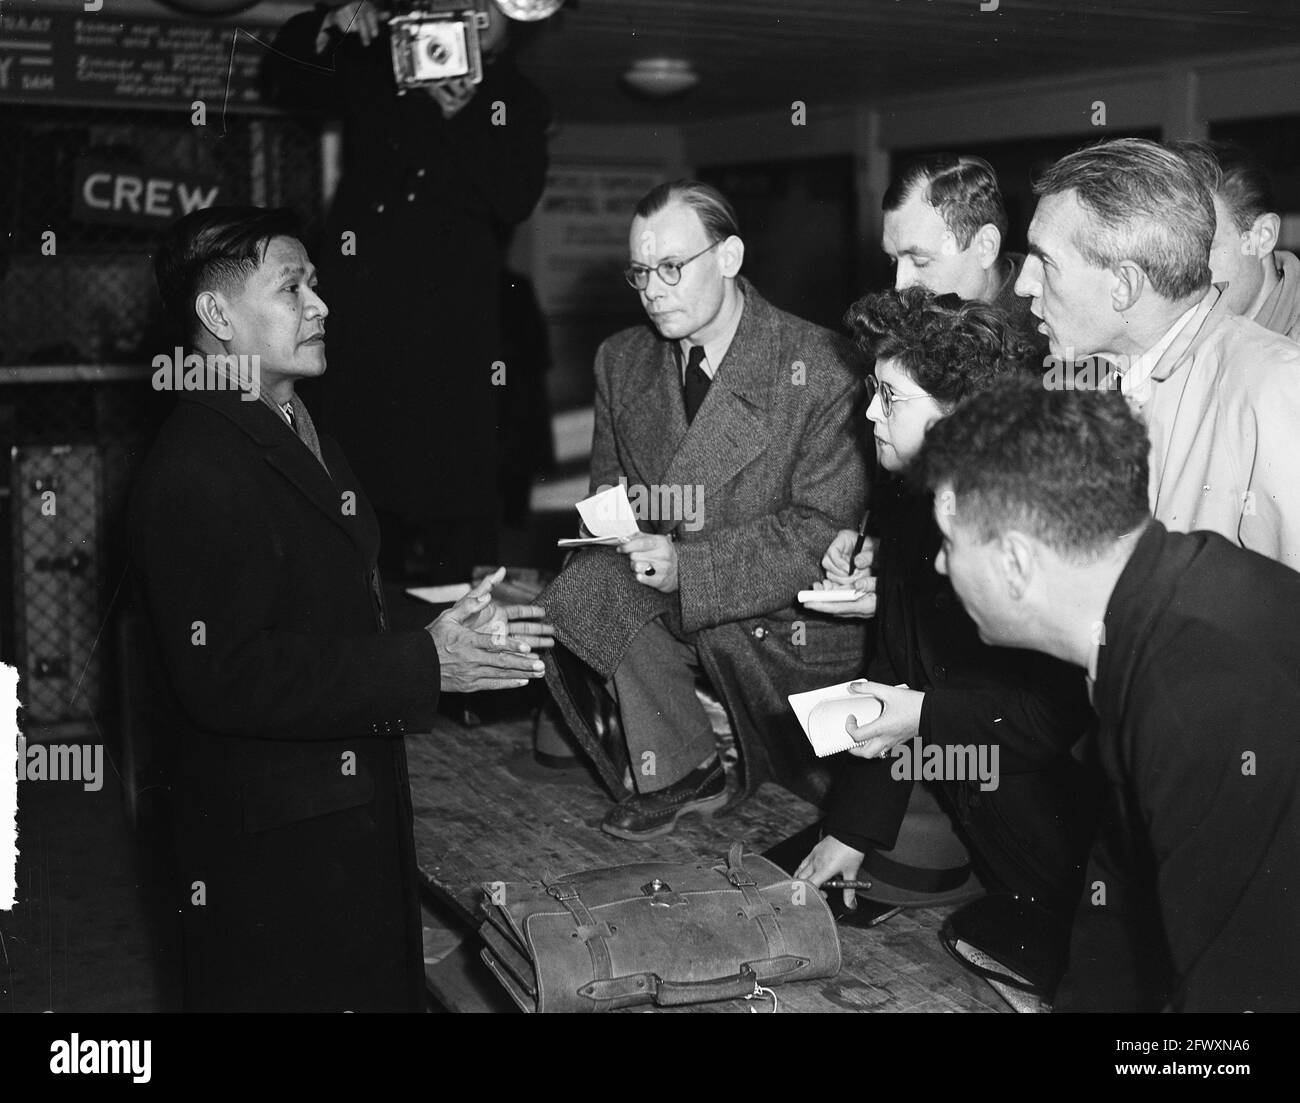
(530, 11)
(661, 77)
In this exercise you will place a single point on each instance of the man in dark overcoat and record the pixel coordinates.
(731, 423)
(287, 698)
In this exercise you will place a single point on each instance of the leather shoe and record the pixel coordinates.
(649, 815)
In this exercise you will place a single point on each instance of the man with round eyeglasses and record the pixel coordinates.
(669, 271)
(744, 413)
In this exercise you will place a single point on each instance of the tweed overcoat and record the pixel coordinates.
(773, 462)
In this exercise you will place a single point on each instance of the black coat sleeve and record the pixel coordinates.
(214, 577)
(867, 803)
(296, 76)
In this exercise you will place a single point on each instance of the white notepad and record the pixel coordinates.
(439, 595)
(822, 713)
(608, 516)
(588, 541)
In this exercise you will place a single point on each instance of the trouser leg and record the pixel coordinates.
(668, 732)
(1029, 835)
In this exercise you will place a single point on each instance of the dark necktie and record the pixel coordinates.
(697, 382)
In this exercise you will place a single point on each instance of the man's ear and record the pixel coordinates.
(1130, 282)
(1264, 233)
(211, 309)
(1018, 563)
(988, 245)
(731, 255)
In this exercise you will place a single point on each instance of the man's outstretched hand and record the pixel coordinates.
(526, 623)
(481, 645)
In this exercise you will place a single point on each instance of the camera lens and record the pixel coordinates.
(437, 52)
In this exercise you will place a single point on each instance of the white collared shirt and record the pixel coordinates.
(714, 350)
(1094, 657)
(1135, 383)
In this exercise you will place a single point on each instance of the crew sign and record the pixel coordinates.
(118, 194)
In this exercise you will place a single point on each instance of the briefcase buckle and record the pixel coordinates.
(661, 894)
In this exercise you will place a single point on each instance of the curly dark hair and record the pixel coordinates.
(1068, 467)
(950, 347)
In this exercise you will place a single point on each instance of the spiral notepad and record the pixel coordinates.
(823, 713)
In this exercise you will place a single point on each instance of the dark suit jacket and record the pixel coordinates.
(775, 454)
(1032, 707)
(287, 707)
(1198, 690)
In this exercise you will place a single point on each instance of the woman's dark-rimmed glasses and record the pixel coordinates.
(887, 396)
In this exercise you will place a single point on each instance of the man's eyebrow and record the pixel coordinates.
(1037, 251)
(295, 270)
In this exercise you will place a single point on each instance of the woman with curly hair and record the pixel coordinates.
(1028, 833)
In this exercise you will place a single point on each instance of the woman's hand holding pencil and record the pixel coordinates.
(848, 566)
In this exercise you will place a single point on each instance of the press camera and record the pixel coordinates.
(437, 40)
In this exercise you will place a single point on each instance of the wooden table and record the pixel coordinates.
(476, 822)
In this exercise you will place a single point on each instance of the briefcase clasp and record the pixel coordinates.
(661, 894)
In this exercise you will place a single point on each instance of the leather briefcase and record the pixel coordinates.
(656, 932)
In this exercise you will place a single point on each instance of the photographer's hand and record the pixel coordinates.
(451, 95)
(359, 18)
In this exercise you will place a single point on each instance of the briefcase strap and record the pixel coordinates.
(666, 993)
(591, 930)
(757, 906)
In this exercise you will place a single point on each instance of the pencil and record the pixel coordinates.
(862, 539)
